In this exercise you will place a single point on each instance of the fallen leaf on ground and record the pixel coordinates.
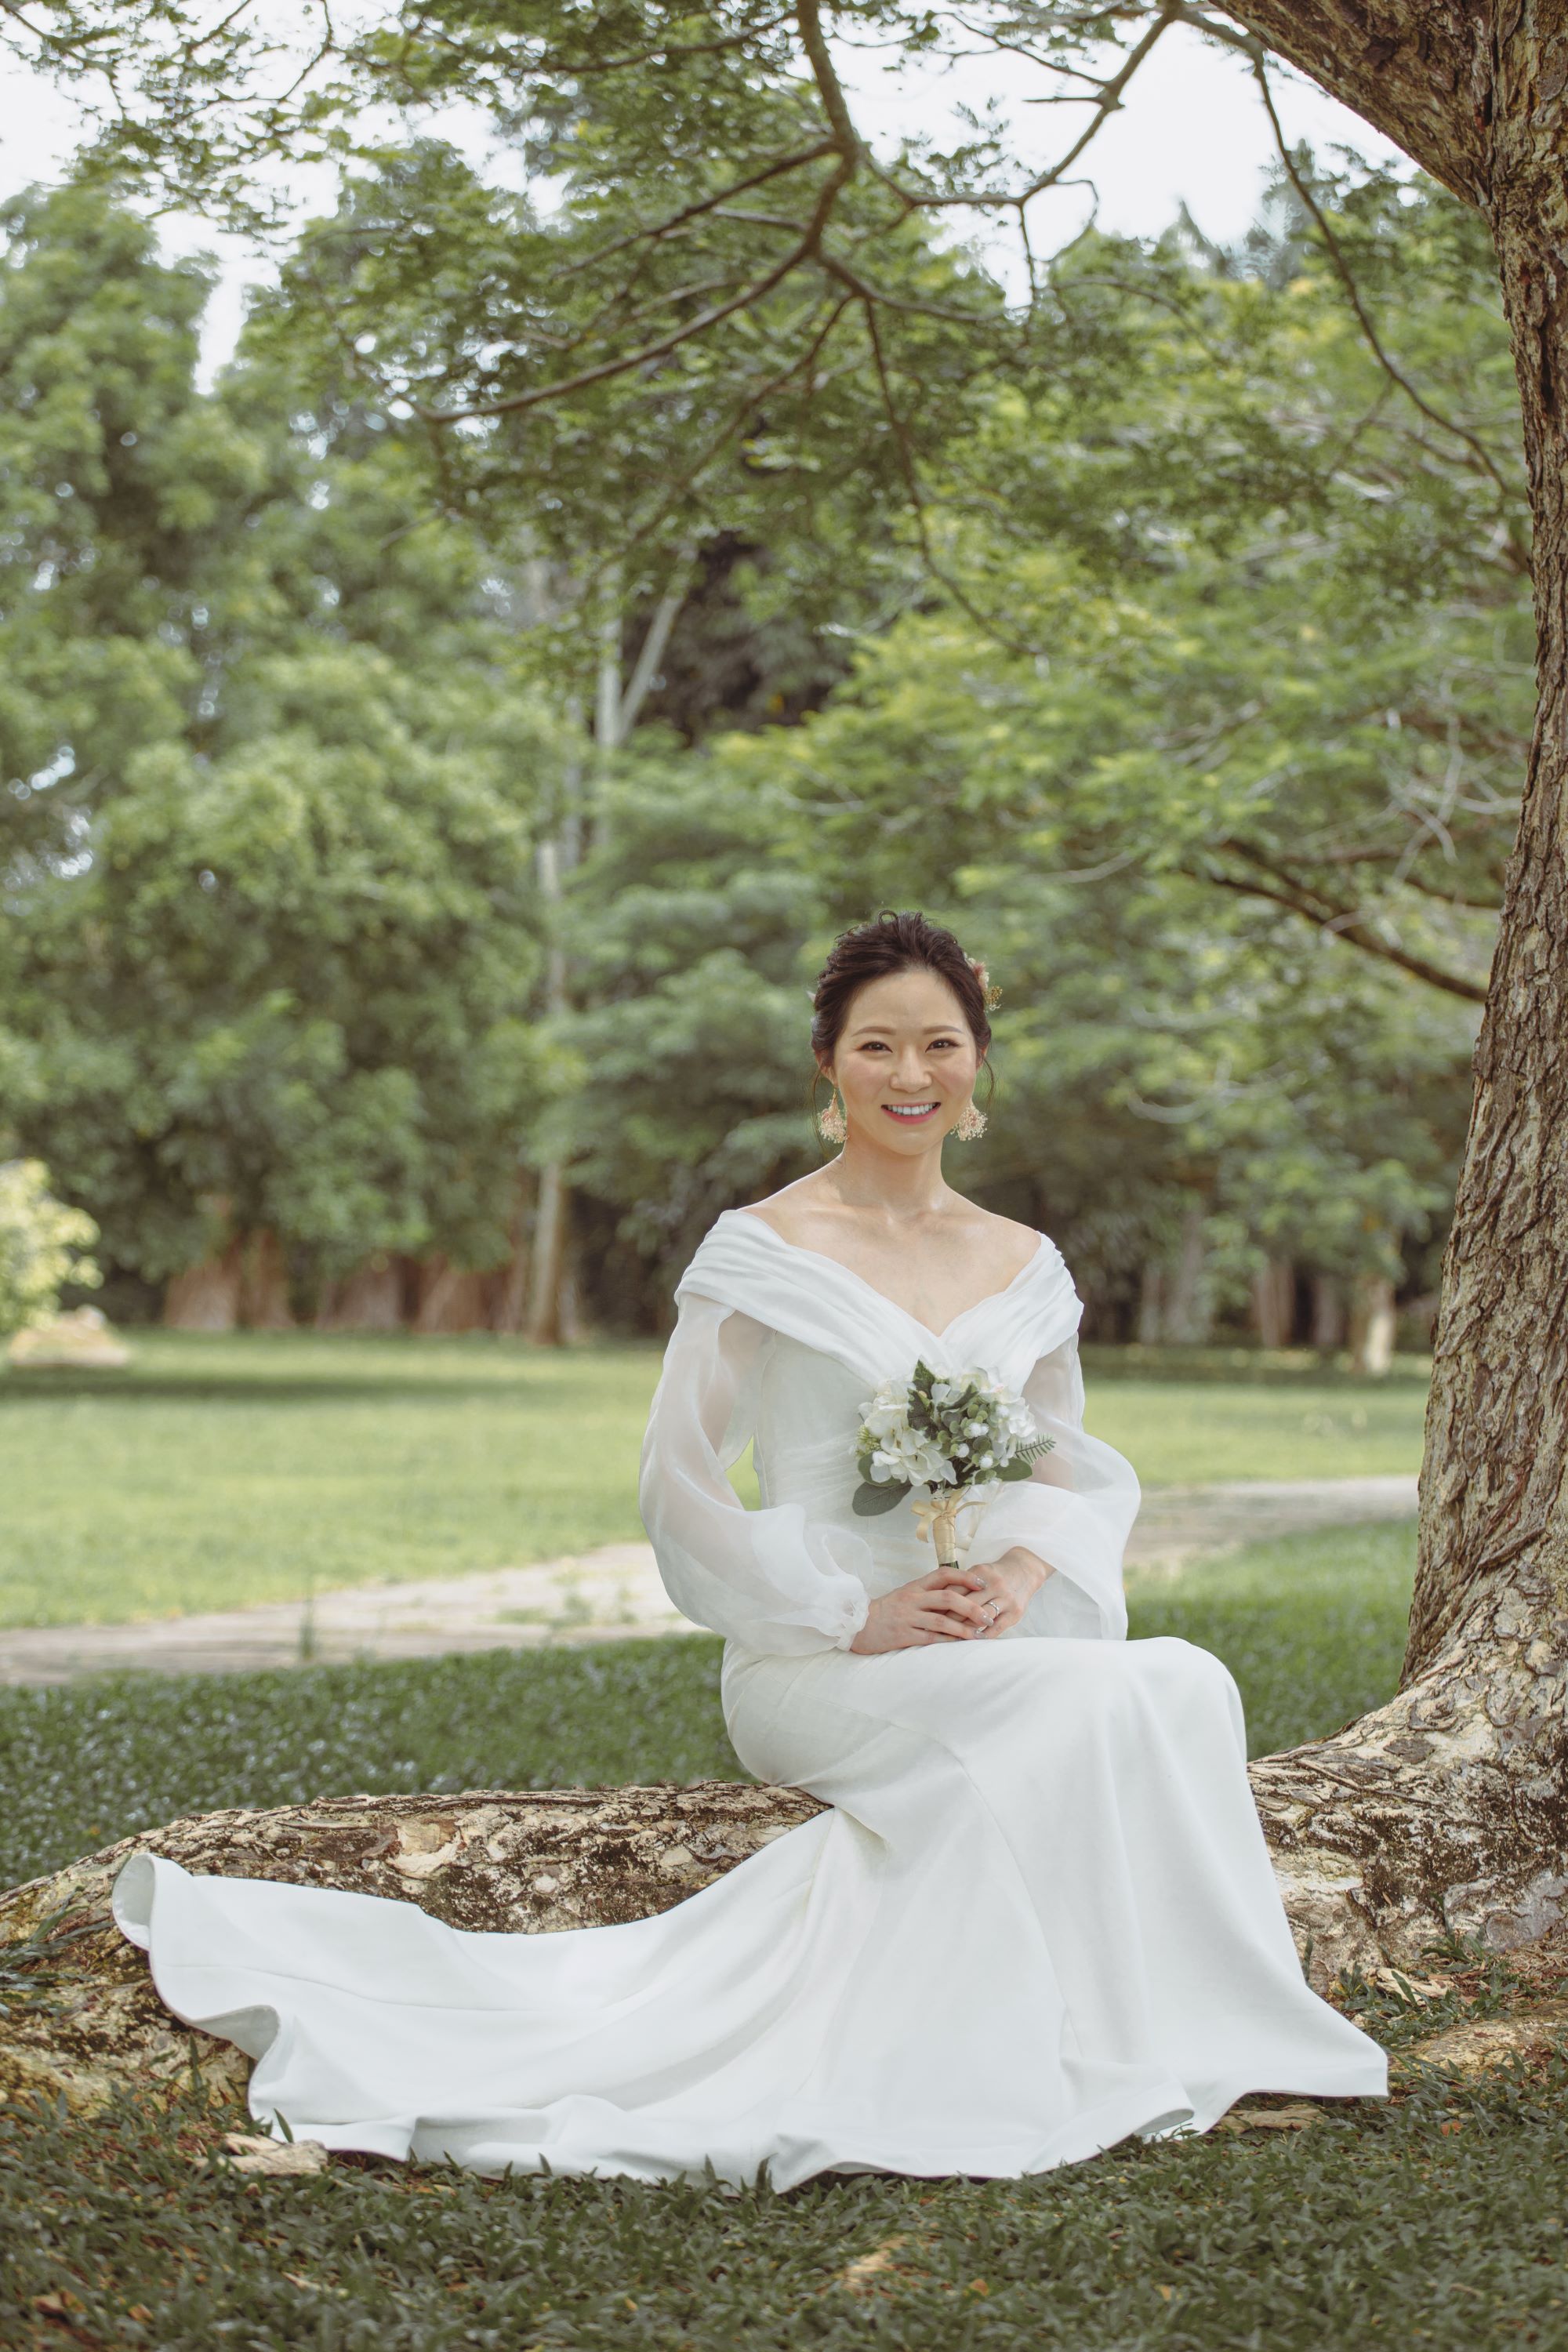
(247, 2152)
(858, 2273)
(1487, 2040)
(1269, 2119)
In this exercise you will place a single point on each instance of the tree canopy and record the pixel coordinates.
(1208, 651)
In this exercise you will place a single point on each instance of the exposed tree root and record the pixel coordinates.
(1445, 1813)
(81, 2016)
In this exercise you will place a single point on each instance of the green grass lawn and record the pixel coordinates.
(1432, 2224)
(222, 1470)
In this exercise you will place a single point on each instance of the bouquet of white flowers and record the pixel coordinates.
(958, 1435)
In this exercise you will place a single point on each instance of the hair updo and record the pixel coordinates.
(893, 942)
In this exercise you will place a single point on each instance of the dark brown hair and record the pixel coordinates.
(892, 942)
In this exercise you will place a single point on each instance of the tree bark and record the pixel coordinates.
(369, 1300)
(205, 1297)
(1448, 1808)
(552, 1314)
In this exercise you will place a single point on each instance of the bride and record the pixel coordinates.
(1040, 1914)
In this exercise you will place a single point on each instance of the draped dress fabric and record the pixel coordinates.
(1039, 1917)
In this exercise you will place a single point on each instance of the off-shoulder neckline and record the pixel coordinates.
(991, 1297)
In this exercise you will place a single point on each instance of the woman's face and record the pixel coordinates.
(906, 1061)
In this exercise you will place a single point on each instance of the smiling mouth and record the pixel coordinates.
(910, 1113)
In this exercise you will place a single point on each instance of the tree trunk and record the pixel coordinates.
(1151, 1304)
(451, 1297)
(552, 1313)
(264, 1300)
(1448, 1808)
(1371, 1324)
(509, 1296)
(369, 1300)
(1189, 1307)
(1328, 1311)
(544, 1328)
(205, 1297)
(1274, 1302)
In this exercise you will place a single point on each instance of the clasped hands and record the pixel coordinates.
(954, 1605)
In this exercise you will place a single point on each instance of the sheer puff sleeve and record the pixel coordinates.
(1073, 1511)
(770, 1578)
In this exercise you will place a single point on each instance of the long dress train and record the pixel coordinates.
(1041, 1915)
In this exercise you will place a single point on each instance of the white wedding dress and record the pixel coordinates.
(1039, 1917)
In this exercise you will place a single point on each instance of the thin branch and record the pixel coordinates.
(1283, 891)
(674, 221)
(910, 472)
(587, 67)
(1106, 104)
(805, 250)
(754, 395)
(1346, 277)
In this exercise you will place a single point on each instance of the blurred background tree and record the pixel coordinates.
(404, 820)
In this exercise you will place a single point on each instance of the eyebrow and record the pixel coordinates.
(932, 1029)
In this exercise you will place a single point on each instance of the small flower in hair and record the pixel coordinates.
(991, 996)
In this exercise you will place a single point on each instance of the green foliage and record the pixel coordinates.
(272, 934)
(687, 935)
(42, 1245)
(1207, 724)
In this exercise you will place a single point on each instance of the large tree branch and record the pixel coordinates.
(1419, 71)
(829, 89)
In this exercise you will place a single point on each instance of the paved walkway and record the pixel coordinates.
(602, 1594)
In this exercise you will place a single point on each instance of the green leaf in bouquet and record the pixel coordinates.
(870, 1502)
(1012, 1471)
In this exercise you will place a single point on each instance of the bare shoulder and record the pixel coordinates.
(794, 1212)
(1005, 1238)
